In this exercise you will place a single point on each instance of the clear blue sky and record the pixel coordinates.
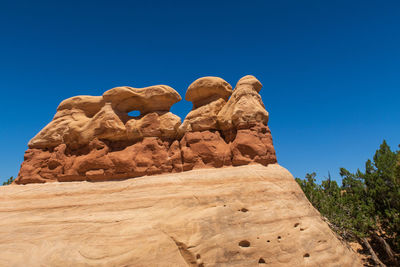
(331, 71)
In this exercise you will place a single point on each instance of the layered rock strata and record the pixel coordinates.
(235, 216)
(93, 137)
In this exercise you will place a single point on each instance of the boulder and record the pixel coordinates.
(206, 89)
(245, 107)
(208, 95)
(90, 105)
(146, 100)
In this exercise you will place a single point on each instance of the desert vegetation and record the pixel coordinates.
(365, 208)
(9, 181)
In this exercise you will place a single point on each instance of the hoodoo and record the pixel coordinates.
(207, 192)
(93, 138)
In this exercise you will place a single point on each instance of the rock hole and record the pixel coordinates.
(306, 255)
(224, 205)
(296, 224)
(268, 241)
(261, 260)
(279, 237)
(134, 113)
(197, 256)
(244, 243)
(302, 229)
(244, 210)
(52, 164)
(263, 130)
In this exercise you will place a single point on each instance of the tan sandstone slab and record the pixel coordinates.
(238, 216)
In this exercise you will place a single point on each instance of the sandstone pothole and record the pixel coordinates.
(244, 244)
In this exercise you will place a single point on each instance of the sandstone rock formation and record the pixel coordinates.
(235, 216)
(244, 121)
(202, 144)
(231, 216)
(81, 119)
(93, 137)
(208, 95)
(219, 133)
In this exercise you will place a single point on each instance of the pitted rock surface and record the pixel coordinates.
(93, 138)
(192, 203)
(236, 216)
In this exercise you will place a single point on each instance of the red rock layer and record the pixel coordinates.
(102, 160)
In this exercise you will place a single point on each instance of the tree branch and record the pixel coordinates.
(375, 258)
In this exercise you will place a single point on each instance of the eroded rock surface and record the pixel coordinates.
(216, 213)
(236, 128)
(245, 108)
(146, 100)
(205, 90)
(236, 216)
(93, 137)
(244, 121)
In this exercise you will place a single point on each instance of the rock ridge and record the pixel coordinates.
(93, 138)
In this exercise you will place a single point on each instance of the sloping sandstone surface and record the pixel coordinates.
(250, 215)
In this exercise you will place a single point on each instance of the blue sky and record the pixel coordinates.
(331, 71)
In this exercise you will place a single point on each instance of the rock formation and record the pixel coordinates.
(243, 120)
(93, 138)
(237, 216)
(231, 216)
